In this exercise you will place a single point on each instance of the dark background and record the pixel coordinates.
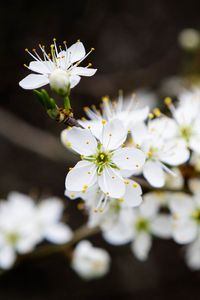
(136, 46)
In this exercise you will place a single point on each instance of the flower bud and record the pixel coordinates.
(59, 82)
(90, 262)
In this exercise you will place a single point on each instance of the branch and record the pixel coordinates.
(81, 233)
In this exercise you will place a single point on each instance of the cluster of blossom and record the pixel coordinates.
(121, 146)
(24, 224)
(124, 137)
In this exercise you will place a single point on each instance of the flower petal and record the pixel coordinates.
(74, 80)
(80, 140)
(7, 257)
(80, 177)
(142, 245)
(184, 232)
(75, 52)
(44, 67)
(33, 81)
(129, 158)
(161, 226)
(58, 233)
(113, 135)
(111, 182)
(132, 196)
(154, 173)
(83, 71)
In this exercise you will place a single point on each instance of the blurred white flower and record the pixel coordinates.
(195, 161)
(103, 160)
(186, 217)
(48, 224)
(127, 111)
(143, 223)
(189, 39)
(60, 69)
(192, 255)
(160, 148)
(17, 230)
(24, 224)
(90, 262)
(186, 124)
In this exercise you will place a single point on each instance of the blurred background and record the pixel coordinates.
(137, 48)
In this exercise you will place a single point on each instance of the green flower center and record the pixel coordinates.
(186, 133)
(142, 224)
(196, 215)
(12, 238)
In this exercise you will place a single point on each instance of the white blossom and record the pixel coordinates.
(60, 69)
(160, 148)
(17, 230)
(48, 224)
(186, 124)
(139, 227)
(186, 217)
(102, 160)
(90, 262)
(127, 111)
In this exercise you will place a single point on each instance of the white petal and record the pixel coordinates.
(129, 158)
(149, 207)
(195, 144)
(182, 205)
(25, 245)
(83, 71)
(113, 135)
(74, 80)
(139, 132)
(75, 52)
(80, 140)
(154, 173)
(7, 257)
(119, 234)
(111, 182)
(33, 81)
(161, 226)
(185, 232)
(132, 196)
(50, 210)
(80, 177)
(58, 233)
(177, 154)
(193, 255)
(41, 67)
(142, 245)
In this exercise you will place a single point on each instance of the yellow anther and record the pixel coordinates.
(113, 177)
(95, 210)
(121, 200)
(83, 119)
(101, 210)
(105, 98)
(168, 101)
(70, 168)
(89, 127)
(89, 172)
(157, 112)
(80, 206)
(82, 156)
(25, 66)
(87, 142)
(86, 108)
(103, 122)
(54, 39)
(89, 65)
(135, 185)
(150, 116)
(85, 187)
(26, 49)
(126, 182)
(127, 157)
(92, 49)
(52, 45)
(72, 195)
(110, 134)
(78, 40)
